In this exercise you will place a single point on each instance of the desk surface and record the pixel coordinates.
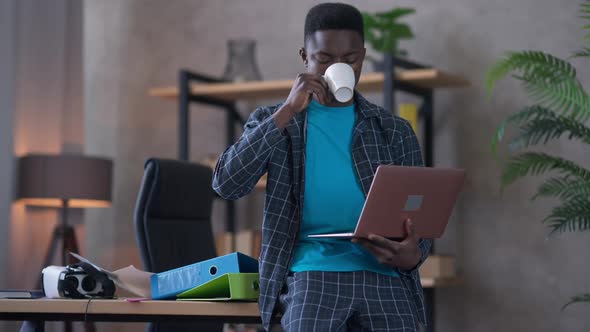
(423, 78)
(122, 307)
(121, 310)
(176, 308)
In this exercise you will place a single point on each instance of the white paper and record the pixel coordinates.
(134, 280)
(129, 278)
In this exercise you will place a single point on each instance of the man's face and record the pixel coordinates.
(326, 47)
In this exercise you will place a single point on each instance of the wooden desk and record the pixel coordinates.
(121, 310)
(146, 311)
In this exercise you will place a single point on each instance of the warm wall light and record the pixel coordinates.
(64, 181)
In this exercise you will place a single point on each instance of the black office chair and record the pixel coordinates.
(173, 223)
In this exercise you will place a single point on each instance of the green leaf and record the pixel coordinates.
(518, 118)
(402, 31)
(499, 135)
(565, 97)
(395, 13)
(584, 11)
(370, 32)
(577, 299)
(563, 188)
(572, 215)
(547, 127)
(526, 63)
(582, 53)
(383, 32)
(537, 163)
(549, 80)
(368, 21)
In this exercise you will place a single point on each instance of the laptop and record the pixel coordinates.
(424, 194)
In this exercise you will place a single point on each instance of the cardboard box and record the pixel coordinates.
(248, 242)
(438, 266)
(223, 243)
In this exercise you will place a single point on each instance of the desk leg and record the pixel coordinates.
(429, 302)
(89, 327)
(33, 326)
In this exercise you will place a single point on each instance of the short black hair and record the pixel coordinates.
(333, 16)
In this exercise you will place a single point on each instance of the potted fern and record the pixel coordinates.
(383, 32)
(561, 109)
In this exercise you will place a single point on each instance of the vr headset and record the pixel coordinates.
(78, 281)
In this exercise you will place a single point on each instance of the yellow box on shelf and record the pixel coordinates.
(409, 112)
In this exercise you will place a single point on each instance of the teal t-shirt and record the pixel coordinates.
(333, 198)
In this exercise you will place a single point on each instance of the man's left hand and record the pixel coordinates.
(403, 255)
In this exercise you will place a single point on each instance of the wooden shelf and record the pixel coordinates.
(371, 82)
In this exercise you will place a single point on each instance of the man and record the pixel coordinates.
(321, 156)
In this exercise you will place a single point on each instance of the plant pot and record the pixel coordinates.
(379, 64)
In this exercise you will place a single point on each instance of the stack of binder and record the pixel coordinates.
(228, 287)
(230, 277)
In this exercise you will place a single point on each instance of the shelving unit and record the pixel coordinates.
(412, 78)
(423, 78)
(398, 75)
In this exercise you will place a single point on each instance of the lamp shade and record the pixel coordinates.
(48, 180)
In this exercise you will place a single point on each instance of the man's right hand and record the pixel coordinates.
(306, 85)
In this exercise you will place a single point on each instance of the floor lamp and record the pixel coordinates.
(64, 181)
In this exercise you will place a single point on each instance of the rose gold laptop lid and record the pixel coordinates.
(424, 194)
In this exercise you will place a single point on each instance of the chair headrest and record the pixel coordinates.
(179, 189)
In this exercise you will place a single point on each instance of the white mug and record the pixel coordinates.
(340, 79)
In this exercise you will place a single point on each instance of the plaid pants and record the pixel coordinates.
(346, 301)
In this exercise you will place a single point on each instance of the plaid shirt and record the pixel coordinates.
(378, 138)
